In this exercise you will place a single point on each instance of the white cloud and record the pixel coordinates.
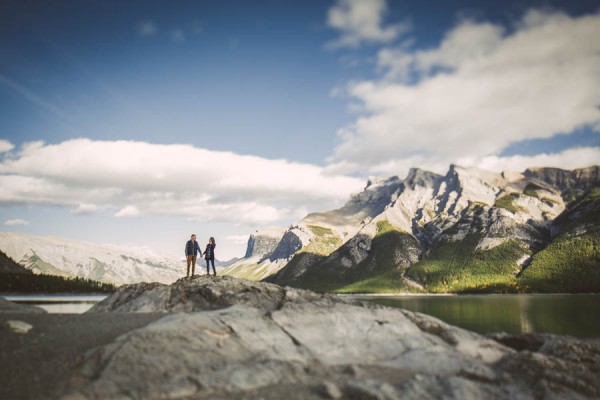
(85, 209)
(147, 28)
(15, 222)
(128, 211)
(138, 178)
(361, 21)
(5, 146)
(568, 159)
(478, 91)
(237, 239)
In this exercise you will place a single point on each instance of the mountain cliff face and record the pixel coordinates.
(469, 230)
(105, 263)
(257, 264)
(263, 243)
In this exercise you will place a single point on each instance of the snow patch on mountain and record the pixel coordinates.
(102, 262)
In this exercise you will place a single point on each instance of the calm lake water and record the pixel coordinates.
(59, 304)
(569, 314)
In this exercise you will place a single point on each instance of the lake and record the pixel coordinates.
(563, 314)
(59, 304)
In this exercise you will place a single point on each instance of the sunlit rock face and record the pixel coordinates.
(263, 242)
(259, 340)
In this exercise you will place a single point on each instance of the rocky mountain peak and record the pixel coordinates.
(292, 241)
(375, 183)
(263, 241)
(419, 177)
(579, 179)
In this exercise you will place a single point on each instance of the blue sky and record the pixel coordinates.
(141, 121)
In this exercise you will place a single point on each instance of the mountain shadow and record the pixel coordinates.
(362, 261)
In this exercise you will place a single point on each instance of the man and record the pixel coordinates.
(191, 250)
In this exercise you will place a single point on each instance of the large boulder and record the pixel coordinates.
(206, 293)
(258, 340)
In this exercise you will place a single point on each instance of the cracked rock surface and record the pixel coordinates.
(258, 340)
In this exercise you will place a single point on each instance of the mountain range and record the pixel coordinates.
(100, 262)
(466, 231)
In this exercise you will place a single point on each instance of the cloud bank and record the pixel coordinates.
(132, 179)
(481, 89)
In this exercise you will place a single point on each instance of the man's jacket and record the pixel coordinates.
(192, 248)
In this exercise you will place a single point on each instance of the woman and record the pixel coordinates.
(209, 255)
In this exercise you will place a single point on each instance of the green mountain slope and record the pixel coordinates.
(571, 262)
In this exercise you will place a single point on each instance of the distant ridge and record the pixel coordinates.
(105, 263)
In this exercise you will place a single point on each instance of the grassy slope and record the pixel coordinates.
(459, 267)
(571, 263)
(245, 271)
(507, 202)
(323, 243)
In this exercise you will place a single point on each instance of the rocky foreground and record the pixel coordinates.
(229, 338)
(224, 338)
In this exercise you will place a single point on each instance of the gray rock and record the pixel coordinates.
(302, 345)
(18, 326)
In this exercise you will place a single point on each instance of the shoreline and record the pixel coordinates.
(458, 294)
(51, 298)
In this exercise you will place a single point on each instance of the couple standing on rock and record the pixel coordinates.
(191, 250)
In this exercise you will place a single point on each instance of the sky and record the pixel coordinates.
(142, 122)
